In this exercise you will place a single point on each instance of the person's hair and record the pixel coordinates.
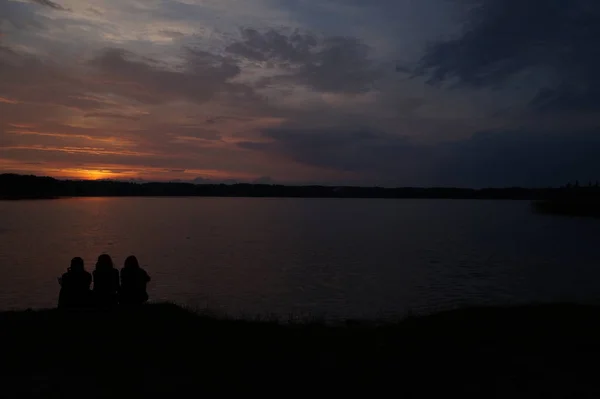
(104, 262)
(131, 263)
(76, 264)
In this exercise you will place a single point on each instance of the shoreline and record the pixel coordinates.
(21, 186)
(464, 351)
(30, 198)
(568, 207)
(42, 198)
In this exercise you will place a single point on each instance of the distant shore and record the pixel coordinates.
(28, 197)
(533, 351)
(581, 207)
(16, 187)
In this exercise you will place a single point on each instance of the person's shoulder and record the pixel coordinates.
(146, 275)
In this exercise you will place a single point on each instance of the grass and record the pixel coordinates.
(163, 349)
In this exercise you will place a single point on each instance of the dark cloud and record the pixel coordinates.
(172, 34)
(222, 118)
(520, 158)
(202, 77)
(503, 158)
(274, 46)
(331, 64)
(191, 132)
(113, 115)
(114, 71)
(20, 16)
(51, 4)
(554, 42)
(95, 11)
(6, 50)
(367, 153)
(29, 80)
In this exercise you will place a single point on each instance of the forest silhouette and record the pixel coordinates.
(14, 186)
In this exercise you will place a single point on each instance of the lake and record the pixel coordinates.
(330, 258)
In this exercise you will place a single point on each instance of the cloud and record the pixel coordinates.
(76, 150)
(5, 50)
(493, 158)
(506, 158)
(121, 108)
(20, 16)
(111, 115)
(8, 101)
(222, 118)
(172, 34)
(95, 11)
(274, 46)
(51, 4)
(369, 154)
(189, 131)
(70, 134)
(330, 64)
(548, 46)
(28, 80)
(203, 76)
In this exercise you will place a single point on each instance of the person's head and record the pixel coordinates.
(104, 262)
(76, 264)
(131, 263)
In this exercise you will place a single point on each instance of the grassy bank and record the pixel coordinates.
(486, 352)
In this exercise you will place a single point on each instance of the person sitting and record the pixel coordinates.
(106, 282)
(133, 283)
(75, 286)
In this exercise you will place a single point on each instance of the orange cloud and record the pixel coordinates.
(21, 126)
(8, 101)
(112, 140)
(204, 143)
(78, 150)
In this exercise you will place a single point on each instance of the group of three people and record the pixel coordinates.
(108, 290)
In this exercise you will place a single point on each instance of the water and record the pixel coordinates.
(321, 257)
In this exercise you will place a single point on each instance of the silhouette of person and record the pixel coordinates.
(75, 286)
(133, 283)
(106, 282)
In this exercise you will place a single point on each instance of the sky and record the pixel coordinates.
(471, 93)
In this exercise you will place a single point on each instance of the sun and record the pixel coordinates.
(95, 174)
(91, 174)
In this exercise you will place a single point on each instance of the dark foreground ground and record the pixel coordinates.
(165, 351)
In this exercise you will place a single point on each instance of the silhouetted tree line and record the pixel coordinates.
(13, 186)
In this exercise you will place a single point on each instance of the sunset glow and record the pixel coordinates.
(91, 174)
